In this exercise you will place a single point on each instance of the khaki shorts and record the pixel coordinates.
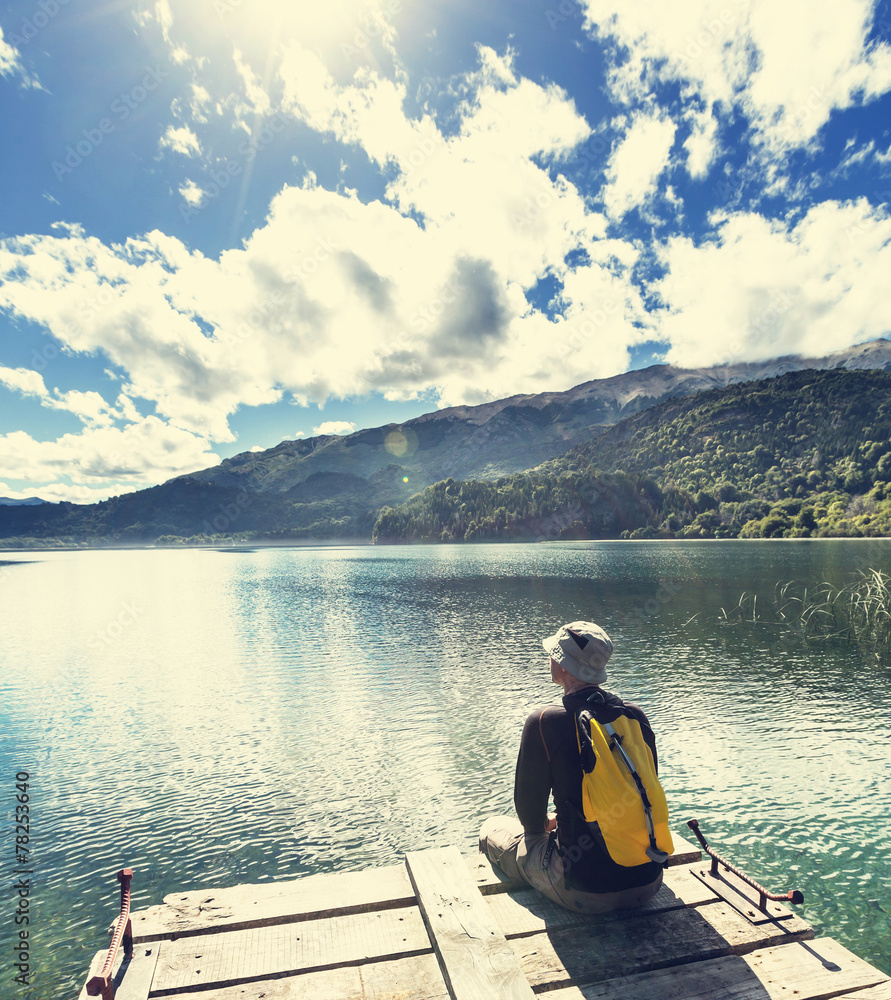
(521, 857)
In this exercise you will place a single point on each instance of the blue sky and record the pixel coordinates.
(226, 223)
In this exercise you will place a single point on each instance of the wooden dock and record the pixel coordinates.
(444, 927)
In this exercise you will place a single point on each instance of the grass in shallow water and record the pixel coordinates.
(859, 611)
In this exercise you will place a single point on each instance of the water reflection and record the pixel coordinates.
(221, 716)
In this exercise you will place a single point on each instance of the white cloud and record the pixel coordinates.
(335, 427)
(55, 492)
(701, 144)
(181, 140)
(764, 288)
(88, 406)
(137, 455)
(479, 191)
(11, 56)
(333, 296)
(200, 102)
(162, 14)
(258, 101)
(23, 380)
(115, 300)
(10, 61)
(191, 194)
(637, 162)
(865, 155)
(91, 408)
(785, 63)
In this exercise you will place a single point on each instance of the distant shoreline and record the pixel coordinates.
(348, 543)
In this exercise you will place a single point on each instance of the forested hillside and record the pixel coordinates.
(805, 454)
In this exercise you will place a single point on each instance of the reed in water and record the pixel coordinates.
(859, 611)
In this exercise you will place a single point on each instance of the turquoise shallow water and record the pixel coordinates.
(218, 717)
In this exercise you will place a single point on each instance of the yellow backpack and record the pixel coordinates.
(621, 792)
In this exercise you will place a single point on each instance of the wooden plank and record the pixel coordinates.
(132, 979)
(819, 968)
(527, 911)
(685, 852)
(490, 879)
(387, 981)
(603, 948)
(741, 896)
(415, 978)
(744, 936)
(689, 890)
(813, 971)
(476, 960)
(727, 978)
(273, 950)
(880, 992)
(200, 911)
(95, 969)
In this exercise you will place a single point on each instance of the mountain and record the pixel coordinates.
(331, 487)
(504, 436)
(28, 502)
(805, 454)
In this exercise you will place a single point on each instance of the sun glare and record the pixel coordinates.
(337, 27)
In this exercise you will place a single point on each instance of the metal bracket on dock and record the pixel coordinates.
(741, 891)
(102, 985)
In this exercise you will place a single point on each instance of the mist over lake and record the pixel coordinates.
(215, 717)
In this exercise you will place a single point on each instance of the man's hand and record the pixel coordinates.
(552, 823)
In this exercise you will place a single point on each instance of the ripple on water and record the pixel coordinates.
(277, 713)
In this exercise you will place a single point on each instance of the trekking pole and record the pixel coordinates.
(792, 896)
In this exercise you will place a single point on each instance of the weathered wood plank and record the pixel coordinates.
(526, 911)
(606, 948)
(880, 992)
(685, 851)
(416, 978)
(132, 979)
(815, 969)
(476, 960)
(744, 936)
(797, 970)
(740, 895)
(490, 879)
(727, 978)
(387, 981)
(689, 890)
(487, 878)
(270, 951)
(202, 910)
(598, 951)
(94, 970)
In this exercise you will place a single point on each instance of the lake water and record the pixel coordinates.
(218, 717)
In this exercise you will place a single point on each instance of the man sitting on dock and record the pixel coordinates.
(564, 856)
